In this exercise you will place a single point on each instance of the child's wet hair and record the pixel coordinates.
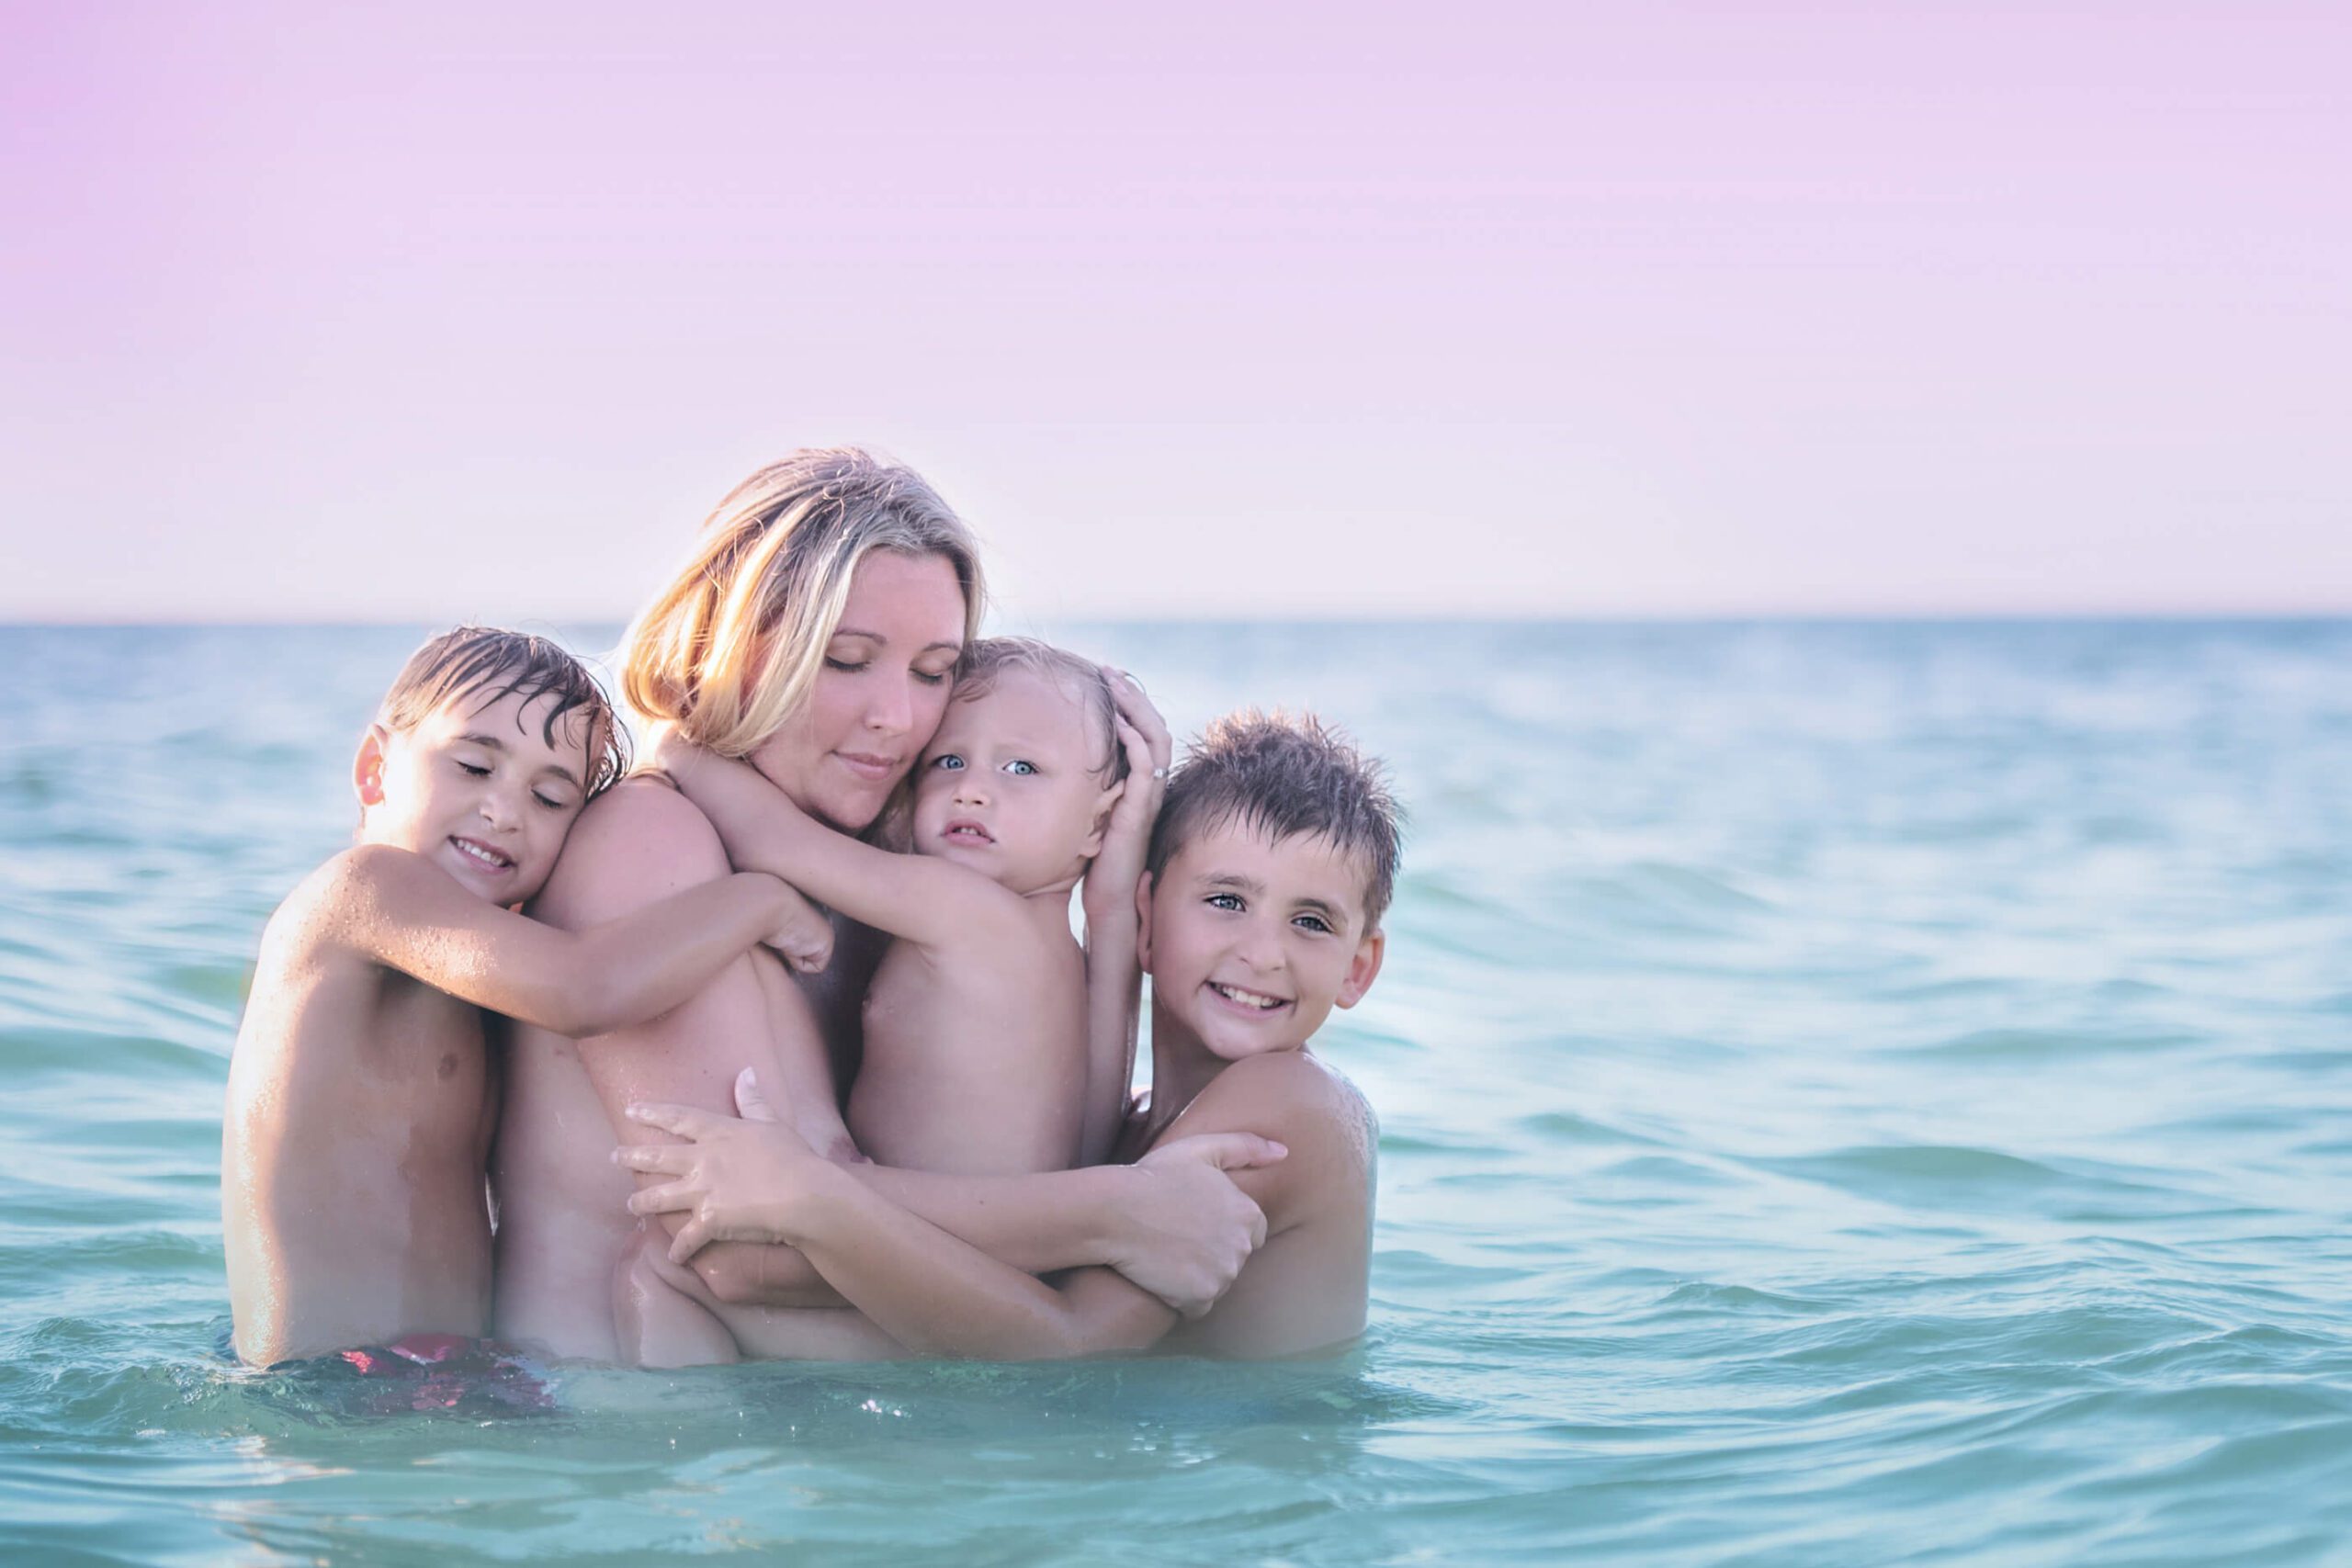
(497, 663)
(987, 659)
(1281, 775)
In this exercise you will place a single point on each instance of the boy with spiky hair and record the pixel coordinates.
(1268, 869)
(361, 1096)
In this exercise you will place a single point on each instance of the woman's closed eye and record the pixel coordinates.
(476, 769)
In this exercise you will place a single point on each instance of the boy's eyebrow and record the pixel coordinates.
(877, 636)
(1336, 914)
(1234, 880)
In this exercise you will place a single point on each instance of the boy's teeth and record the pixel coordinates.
(483, 855)
(1249, 998)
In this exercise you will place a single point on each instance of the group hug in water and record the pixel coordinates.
(780, 1042)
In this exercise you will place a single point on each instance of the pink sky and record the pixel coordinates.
(459, 310)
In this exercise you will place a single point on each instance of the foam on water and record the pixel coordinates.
(1850, 1093)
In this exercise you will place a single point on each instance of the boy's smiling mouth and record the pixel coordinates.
(481, 855)
(1254, 1001)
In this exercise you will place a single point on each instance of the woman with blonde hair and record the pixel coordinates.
(814, 631)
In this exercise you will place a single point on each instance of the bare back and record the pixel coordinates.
(352, 1151)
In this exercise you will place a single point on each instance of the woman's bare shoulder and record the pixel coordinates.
(638, 842)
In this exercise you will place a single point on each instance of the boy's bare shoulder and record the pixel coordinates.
(1293, 1097)
(318, 913)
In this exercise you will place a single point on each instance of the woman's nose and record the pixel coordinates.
(888, 709)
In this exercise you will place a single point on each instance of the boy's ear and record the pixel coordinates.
(368, 766)
(1364, 968)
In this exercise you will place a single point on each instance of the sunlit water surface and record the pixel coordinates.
(1849, 1094)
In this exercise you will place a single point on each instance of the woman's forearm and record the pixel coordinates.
(937, 1295)
(1038, 1223)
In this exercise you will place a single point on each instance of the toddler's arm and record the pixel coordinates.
(924, 900)
(401, 910)
(1113, 969)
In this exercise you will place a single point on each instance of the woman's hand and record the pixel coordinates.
(1189, 1228)
(1143, 737)
(739, 1179)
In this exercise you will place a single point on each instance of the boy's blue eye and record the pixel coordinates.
(1313, 922)
(1020, 768)
(1224, 901)
(948, 761)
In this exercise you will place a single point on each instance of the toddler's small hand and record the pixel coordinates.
(804, 935)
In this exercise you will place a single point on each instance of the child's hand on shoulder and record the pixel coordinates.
(671, 752)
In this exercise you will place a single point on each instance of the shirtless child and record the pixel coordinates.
(1013, 799)
(361, 1098)
(1268, 871)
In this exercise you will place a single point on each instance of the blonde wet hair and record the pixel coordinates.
(731, 648)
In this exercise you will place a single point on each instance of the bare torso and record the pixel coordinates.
(359, 1117)
(562, 1204)
(975, 1058)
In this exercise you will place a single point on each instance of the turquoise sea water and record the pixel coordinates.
(1851, 1094)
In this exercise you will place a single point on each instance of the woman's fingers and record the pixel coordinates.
(656, 1159)
(692, 1237)
(682, 1119)
(1128, 695)
(666, 1198)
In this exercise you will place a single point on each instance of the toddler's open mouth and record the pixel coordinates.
(964, 830)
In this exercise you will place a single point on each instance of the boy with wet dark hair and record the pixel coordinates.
(1270, 866)
(360, 1093)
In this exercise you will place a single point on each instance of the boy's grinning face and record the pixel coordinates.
(1251, 942)
(476, 789)
(1008, 787)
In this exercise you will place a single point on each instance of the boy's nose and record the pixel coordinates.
(1260, 946)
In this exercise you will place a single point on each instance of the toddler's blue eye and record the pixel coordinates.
(948, 761)
(1020, 768)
